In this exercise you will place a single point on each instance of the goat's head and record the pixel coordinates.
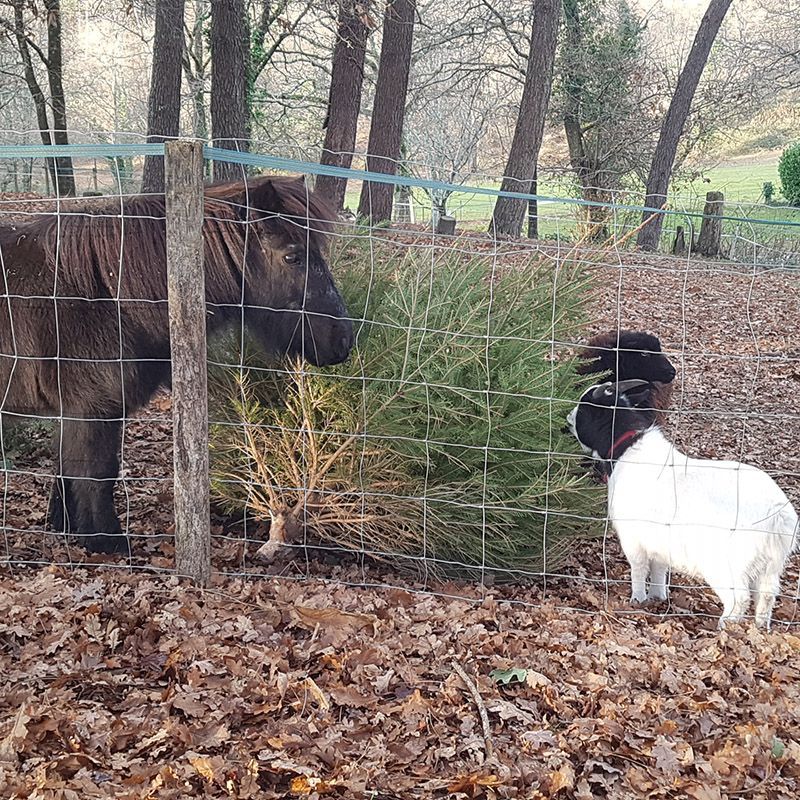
(627, 355)
(607, 411)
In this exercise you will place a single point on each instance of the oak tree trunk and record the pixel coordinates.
(509, 213)
(164, 102)
(344, 98)
(675, 120)
(386, 127)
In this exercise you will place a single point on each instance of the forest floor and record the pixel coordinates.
(323, 676)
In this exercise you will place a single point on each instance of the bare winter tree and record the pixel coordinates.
(229, 59)
(344, 98)
(164, 103)
(509, 213)
(388, 111)
(60, 169)
(603, 101)
(675, 119)
(443, 135)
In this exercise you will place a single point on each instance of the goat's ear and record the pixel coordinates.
(636, 392)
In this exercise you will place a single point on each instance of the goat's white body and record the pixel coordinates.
(726, 523)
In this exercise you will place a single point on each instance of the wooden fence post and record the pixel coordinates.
(187, 330)
(710, 238)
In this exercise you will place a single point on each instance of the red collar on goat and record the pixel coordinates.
(622, 439)
(608, 463)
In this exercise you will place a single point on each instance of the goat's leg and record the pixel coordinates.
(766, 587)
(640, 569)
(735, 602)
(82, 501)
(659, 590)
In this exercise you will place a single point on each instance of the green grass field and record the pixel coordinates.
(775, 226)
(740, 182)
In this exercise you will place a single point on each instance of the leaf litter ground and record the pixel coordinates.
(331, 677)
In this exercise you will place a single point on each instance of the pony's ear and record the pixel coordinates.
(262, 195)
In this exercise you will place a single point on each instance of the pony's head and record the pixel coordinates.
(291, 303)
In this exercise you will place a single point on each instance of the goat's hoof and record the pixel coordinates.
(638, 600)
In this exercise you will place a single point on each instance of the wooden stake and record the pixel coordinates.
(187, 329)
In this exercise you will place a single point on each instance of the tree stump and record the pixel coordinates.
(446, 226)
(710, 238)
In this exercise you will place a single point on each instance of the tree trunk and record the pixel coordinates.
(37, 95)
(229, 57)
(386, 127)
(194, 68)
(675, 120)
(164, 102)
(344, 98)
(64, 173)
(593, 219)
(509, 213)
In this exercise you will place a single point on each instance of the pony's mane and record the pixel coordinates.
(302, 212)
(86, 239)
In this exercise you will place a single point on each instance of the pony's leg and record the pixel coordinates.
(766, 587)
(57, 513)
(659, 590)
(735, 602)
(83, 496)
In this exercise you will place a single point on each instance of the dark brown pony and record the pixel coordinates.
(84, 329)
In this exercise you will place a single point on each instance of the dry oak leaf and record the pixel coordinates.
(203, 768)
(473, 785)
(330, 619)
(562, 778)
(9, 746)
(699, 791)
(302, 785)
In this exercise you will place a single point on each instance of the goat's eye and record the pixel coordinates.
(292, 258)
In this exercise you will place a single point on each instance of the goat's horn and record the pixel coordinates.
(603, 389)
(633, 383)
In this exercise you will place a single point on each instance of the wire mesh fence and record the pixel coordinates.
(421, 440)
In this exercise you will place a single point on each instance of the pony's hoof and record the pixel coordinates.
(109, 544)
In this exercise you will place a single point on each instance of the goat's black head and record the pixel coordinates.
(627, 355)
(607, 411)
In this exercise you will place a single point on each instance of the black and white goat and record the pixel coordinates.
(630, 354)
(725, 522)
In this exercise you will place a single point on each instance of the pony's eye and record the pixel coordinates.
(292, 258)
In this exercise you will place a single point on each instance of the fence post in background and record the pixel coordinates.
(533, 207)
(708, 242)
(187, 330)
(679, 245)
